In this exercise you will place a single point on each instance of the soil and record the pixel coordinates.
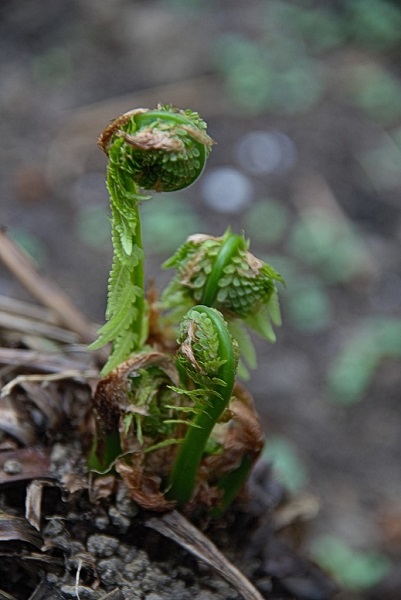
(68, 68)
(65, 533)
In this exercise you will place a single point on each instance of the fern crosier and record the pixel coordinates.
(208, 357)
(222, 273)
(162, 150)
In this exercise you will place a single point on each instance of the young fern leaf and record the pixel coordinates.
(208, 355)
(222, 273)
(162, 150)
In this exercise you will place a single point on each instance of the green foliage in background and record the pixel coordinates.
(280, 67)
(376, 339)
(329, 245)
(288, 466)
(356, 571)
(167, 223)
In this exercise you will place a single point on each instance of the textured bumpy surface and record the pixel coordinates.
(222, 273)
(162, 150)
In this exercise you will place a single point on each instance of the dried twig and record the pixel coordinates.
(43, 361)
(32, 327)
(7, 389)
(176, 527)
(45, 291)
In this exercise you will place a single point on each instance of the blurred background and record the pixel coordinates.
(304, 101)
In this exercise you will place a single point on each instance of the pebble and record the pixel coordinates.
(102, 522)
(118, 520)
(227, 190)
(124, 503)
(154, 579)
(102, 545)
(12, 467)
(127, 553)
(130, 594)
(109, 571)
(137, 566)
(85, 593)
(53, 527)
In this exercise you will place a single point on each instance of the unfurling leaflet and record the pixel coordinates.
(222, 273)
(162, 150)
(208, 357)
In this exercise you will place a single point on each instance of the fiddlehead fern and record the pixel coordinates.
(207, 355)
(162, 150)
(222, 273)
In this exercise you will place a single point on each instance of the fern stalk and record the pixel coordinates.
(208, 356)
(163, 150)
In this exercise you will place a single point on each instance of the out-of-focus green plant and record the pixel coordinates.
(375, 24)
(308, 305)
(279, 69)
(382, 163)
(167, 222)
(377, 339)
(266, 221)
(329, 245)
(262, 76)
(353, 570)
(31, 244)
(282, 454)
(374, 90)
(52, 68)
(92, 226)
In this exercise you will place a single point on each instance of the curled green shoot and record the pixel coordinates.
(208, 356)
(222, 273)
(230, 248)
(161, 150)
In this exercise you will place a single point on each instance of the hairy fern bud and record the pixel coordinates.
(222, 273)
(165, 149)
(208, 356)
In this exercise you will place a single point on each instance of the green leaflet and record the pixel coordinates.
(222, 273)
(165, 150)
(125, 301)
(208, 355)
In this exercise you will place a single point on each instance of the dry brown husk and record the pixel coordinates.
(145, 472)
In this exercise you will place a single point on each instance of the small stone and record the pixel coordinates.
(12, 467)
(53, 527)
(129, 593)
(102, 545)
(127, 553)
(116, 594)
(109, 570)
(102, 522)
(118, 520)
(58, 455)
(125, 505)
(136, 566)
(77, 547)
(155, 580)
(85, 593)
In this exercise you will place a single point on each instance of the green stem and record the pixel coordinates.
(163, 150)
(138, 280)
(231, 483)
(126, 304)
(183, 474)
(230, 248)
